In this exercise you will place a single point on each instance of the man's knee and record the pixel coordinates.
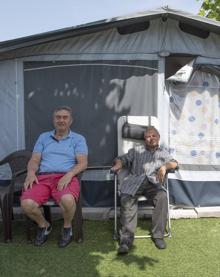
(125, 200)
(128, 204)
(162, 195)
(160, 198)
(67, 201)
(28, 205)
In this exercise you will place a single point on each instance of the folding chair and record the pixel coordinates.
(130, 134)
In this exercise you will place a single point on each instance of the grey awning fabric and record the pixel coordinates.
(163, 13)
(163, 34)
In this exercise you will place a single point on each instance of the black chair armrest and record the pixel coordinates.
(14, 179)
(99, 167)
(19, 173)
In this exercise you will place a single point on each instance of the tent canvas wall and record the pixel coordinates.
(104, 70)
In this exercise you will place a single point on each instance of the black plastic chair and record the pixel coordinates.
(17, 161)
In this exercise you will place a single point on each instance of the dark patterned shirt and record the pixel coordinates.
(142, 163)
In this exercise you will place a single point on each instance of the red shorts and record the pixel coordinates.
(47, 188)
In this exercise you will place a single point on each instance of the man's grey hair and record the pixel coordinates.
(152, 128)
(65, 108)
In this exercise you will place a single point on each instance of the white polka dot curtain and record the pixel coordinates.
(195, 120)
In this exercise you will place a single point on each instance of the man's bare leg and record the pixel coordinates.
(33, 211)
(68, 208)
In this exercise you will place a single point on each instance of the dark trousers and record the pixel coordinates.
(129, 208)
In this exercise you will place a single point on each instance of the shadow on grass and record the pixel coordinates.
(142, 262)
(143, 228)
(94, 256)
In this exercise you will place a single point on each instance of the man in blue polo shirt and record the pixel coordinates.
(58, 157)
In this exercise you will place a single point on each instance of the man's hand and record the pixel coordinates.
(161, 173)
(30, 179)
(117, 166)
(64, 181)
(32, 167)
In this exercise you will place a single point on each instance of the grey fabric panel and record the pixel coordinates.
(162, 36)
(202, 60)
(194, 194)
(201, 167)
(130, 22)
(11, 106)
(177, 41)
(97, 175)
(8, 118)
(102, 42)
(210, 69)
(97, 193)
(97, 188)
(98, 91)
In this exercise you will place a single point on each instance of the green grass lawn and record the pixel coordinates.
(193, 250)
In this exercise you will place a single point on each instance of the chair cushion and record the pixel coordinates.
(133, 131)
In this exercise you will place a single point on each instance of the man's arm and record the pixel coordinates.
(163, 169)
(82, 162)
(32, 168)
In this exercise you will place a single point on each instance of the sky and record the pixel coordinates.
(20, 18)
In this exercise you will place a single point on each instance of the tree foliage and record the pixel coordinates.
(210, 9)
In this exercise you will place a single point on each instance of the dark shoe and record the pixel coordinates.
(123, 249)
(160, 243)
(42, 235)
(66, 237)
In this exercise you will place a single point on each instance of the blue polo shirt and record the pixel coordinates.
(59, 155)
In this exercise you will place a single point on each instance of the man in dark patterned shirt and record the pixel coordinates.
(147, 166)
